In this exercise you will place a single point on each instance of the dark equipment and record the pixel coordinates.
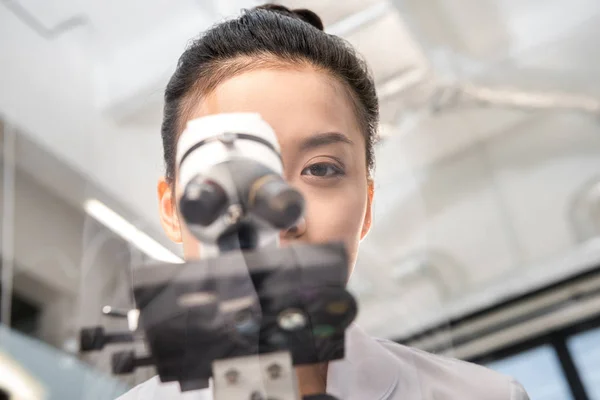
(212, 317)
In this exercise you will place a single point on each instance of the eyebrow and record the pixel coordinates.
(324, 139)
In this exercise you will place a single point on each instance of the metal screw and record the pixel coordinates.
(114, 312)
(232, 376)
(234, 214)
(274, 371)
(291, 319)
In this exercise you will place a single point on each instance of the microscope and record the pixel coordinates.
(248, 311)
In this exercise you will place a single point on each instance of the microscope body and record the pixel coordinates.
(248, 310)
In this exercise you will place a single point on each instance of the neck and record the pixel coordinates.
(312, 379)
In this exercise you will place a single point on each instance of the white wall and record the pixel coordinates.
(495, 210)
(60, 93)
(52, 241)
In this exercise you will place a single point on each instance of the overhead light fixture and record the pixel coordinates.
(129, 232)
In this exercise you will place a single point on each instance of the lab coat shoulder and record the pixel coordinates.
(377, 369)
(444, 378)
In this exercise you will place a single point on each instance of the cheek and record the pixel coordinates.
(336, 215)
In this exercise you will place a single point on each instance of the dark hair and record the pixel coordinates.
(265, 36)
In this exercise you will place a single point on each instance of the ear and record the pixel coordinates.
(369, 211)
(169, 218)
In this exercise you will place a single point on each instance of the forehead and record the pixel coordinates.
(295, 102)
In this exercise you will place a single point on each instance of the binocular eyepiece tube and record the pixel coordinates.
(230, 173)
(232, 196)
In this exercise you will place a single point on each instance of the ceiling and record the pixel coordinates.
(83, 81)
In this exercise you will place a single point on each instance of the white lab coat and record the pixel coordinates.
(376, 369)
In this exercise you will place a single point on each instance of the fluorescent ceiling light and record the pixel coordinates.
(129, 232)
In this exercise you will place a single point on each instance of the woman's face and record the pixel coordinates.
(322, 147)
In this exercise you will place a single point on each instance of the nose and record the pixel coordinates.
(294, 232)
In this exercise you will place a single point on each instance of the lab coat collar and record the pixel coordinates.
(368, 371)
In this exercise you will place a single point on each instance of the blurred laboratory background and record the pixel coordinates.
(486, 239)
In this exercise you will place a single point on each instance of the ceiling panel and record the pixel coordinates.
(388, 47)
(533, 23)
(48, 14)
(570, 63)
(117, 23)
(489, 30)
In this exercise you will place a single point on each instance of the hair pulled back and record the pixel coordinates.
(265, 36)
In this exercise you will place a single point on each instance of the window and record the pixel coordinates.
(585, 350)
(539, 371)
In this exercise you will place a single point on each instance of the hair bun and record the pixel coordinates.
(308, 16)
(311, 17)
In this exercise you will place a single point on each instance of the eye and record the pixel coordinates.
(323, 170)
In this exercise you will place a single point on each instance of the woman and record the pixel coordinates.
(320, 99)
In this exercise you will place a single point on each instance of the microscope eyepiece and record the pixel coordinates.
(203, 201)
(234, 160)
(275, 201)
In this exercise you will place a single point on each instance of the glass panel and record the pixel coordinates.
(39, 299)
(475, 200)
(585, 350)
(539, 371)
